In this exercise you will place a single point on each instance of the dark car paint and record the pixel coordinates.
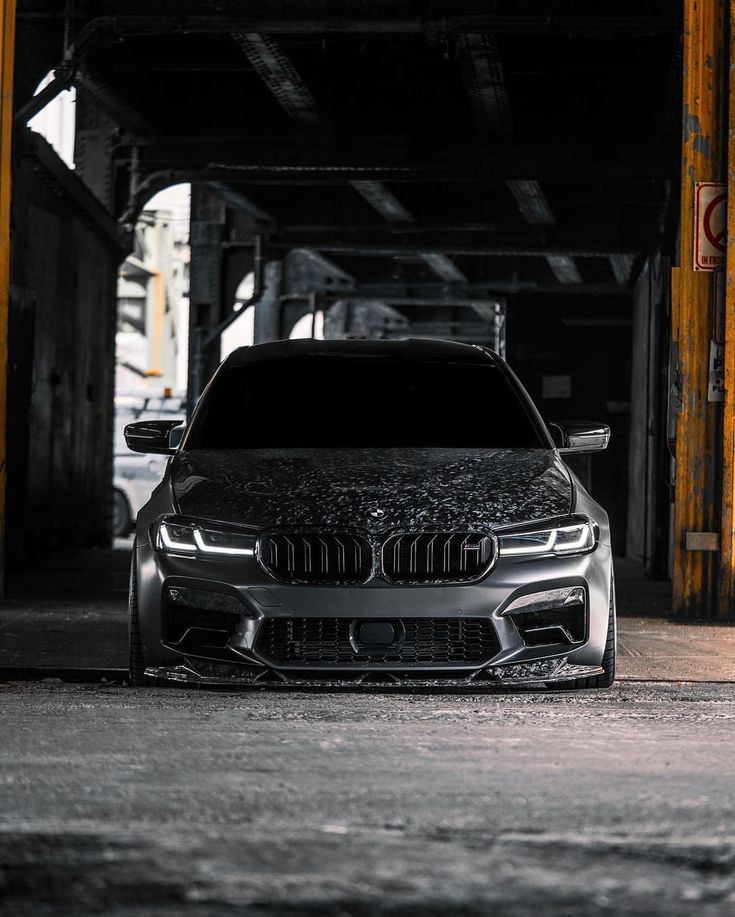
(454, 488)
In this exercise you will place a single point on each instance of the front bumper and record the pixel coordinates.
(240, 662)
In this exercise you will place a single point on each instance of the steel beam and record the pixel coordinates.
(333, 229)
(393, 157)
(531, 202)
(621, 267)
(384, 202)
(411, 251)
(238, 201)
(696, 508)
(475, 18)
(483, 75)
(534, 207)
(564, 268)
(443, 267)
(282, 79)
(7, 52)
(120, 111)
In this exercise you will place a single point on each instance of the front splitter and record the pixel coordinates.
(536, 675)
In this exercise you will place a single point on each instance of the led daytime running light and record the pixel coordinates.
(196, 542)
(553, 544)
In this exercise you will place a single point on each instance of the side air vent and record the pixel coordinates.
(329, 558)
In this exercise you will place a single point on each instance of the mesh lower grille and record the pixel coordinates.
(335, 641)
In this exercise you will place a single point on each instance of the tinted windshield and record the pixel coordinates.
(333, 401)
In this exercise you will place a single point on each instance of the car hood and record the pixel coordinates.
(374, 489)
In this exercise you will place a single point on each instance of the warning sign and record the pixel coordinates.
(710, 220)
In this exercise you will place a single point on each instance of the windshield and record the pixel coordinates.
(339, 401)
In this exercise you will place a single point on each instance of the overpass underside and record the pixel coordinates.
(491, 173)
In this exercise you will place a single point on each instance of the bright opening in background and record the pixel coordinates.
(57, 121)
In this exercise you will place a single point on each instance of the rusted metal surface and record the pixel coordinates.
(696, 499)
(7, 48)
(726, 592)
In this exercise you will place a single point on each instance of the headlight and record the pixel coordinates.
(570, 535)
(195, 537)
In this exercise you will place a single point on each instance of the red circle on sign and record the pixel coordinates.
(716, 239)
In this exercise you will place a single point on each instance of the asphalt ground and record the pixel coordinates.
(174, 801)
(181, 802)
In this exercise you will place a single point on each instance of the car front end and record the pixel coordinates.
(411, 551)
(522, 605)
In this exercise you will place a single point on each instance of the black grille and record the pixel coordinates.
(431, 557)
(421, 642)
(322, 557)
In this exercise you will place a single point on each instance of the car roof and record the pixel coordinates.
(417, 348)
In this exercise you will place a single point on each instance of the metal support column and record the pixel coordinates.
(726, 596)
(697, 497)
(7, 51)
(205, 284)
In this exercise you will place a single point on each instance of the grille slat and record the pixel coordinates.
(347, 558)
(323, 557)
(412, 558)
(423, 642)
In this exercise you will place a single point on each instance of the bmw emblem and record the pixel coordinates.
(376, 513)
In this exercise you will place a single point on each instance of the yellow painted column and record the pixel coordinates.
(726, 592)
(698, 431)
(7, 53)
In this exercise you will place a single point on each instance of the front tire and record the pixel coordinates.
(137, 664)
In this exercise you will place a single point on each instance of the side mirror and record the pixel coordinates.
(579, 436)
(160, 437)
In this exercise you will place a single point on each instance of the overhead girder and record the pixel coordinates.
(402, 251)
(286, 85)
(483, 75)
(392, 157)
(282, 79)
(472, 18)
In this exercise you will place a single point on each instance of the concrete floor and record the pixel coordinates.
(174, 802)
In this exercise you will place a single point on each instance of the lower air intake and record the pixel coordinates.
(420, 642)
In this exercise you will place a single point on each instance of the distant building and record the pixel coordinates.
(152, 326)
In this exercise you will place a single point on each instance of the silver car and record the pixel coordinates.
(343, 512)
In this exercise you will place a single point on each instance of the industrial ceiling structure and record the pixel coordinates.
(492, 172)
(433, 151)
